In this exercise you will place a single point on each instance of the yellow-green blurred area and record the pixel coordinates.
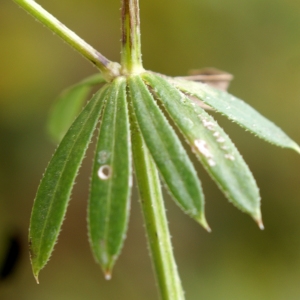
(256, 40)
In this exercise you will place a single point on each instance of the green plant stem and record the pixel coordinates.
(131, 57)
(155, 219)
(109, 69)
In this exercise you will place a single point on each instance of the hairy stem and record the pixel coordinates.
(131, 57)
(108, 68)
(154, 213)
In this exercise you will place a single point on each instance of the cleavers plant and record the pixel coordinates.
(137, 110)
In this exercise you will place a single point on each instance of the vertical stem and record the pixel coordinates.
(155, 219)
(108, 68)
(131, 57)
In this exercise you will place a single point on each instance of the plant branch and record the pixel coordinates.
(155, 219)
(131, 57)
(108, 68)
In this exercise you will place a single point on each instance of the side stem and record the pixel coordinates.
(131, 57)
(154, 213)
(108, 68)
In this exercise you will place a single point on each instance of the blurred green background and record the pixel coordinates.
(256, 40)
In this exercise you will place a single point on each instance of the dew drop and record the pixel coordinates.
(208, 124)
(202, 147)
(220, 140)
(216, 134)
(229, 156)
(104, 172)
(211, 162)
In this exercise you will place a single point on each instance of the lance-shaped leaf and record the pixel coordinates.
(237, 111)
(55, 188)
(68, 106)
(212, 146)
(167, 151)
(111, 180)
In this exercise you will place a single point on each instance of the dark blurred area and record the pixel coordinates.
(258, 41)
(11, 256)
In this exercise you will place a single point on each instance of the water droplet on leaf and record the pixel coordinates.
(220, 140)
(104, 172)
(208, 124)
(211, 162)
(203, 149)
(229, 156)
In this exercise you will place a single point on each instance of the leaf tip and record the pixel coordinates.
(35, 272)
(36, 277)
(258, 220)
(297, 148)
(260, 224)
(107, 274)
(32, 259)
(107, 267)
(203, 222)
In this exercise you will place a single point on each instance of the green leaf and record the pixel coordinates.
(111, 180)
(68, 106)
(167, 151)
(212, 146)
(237, 111)
(55, 188)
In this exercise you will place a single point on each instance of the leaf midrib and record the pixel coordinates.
(108, 205)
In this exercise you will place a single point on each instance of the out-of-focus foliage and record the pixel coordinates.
(257, 41)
